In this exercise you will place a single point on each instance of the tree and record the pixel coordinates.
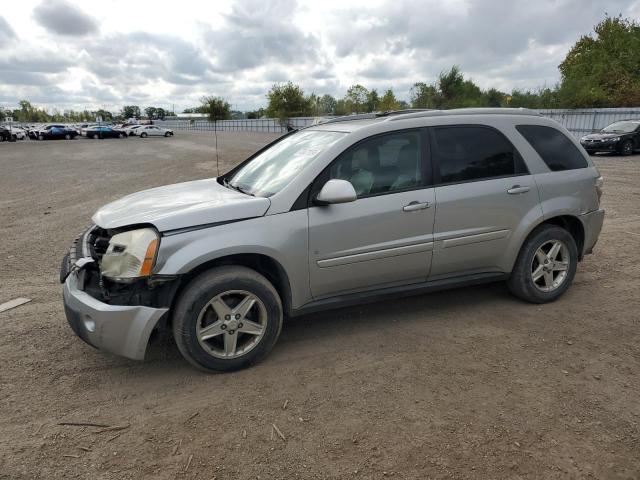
(356, 98)
(603, 71)
(423, 95)
(388, 101)
(131, 111)
(287, 100)
(494, 98)
(216, 108)
(106, 115)
(150, 112)
(373, 101)
(327, 105)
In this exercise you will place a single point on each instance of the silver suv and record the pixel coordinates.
(352, 210)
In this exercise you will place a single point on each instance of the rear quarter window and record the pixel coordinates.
(555, 149)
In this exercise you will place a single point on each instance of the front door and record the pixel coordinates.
(385, 237)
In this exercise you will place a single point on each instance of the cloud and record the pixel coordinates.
(238, 50)
(6, 32)
(257, 33)
(63, 18)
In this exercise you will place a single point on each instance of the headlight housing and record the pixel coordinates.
(130, 255)
(613, 139)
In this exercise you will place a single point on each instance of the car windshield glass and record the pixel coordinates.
(272, 170)
(620, 127)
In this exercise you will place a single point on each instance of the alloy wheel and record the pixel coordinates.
(550, 265)
(231, 324)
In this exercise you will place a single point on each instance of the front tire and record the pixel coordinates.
(227, 318)
(627, 148)
(40, 137)
(546, 265)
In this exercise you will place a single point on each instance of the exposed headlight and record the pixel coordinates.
(130, 255)
(613, 139)
(583, 138)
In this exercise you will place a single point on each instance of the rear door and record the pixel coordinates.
(385, 237)
(483, 193)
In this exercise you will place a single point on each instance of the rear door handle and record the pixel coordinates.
(516, 189)
(413, 206)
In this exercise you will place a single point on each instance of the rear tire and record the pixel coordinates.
(143, 135)
(166, 134)
(194, 313)
(536, 276)
(40, 137)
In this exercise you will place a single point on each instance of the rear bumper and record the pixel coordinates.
(119, 329)
(592, 223)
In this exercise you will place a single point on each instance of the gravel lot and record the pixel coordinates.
(460, 384)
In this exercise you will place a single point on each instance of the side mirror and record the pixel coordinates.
(336, 191)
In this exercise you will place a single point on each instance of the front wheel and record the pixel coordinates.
(227, 318)
(627, 147)
(545, 266)
(120, 135)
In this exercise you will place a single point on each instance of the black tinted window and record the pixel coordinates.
(474, 153)
(557, 151)
(381, 164)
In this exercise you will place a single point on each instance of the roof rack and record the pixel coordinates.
(467, 111)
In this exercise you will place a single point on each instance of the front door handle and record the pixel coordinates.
(413, 206)
(516, 189)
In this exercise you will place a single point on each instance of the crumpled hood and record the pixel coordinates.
(181, 205)
(601, 136)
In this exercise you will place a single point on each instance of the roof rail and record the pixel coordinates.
(466, 111)
(350, 118)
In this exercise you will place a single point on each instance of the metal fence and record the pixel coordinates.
(587, 120)
(577, 121)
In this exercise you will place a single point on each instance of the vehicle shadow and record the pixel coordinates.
(328, 325)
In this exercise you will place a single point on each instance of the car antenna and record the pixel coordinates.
(215, 132)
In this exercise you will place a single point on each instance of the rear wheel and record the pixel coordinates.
(40, 137)
(143, 135)
(545, 266)
(120, 135)
(627, 147)
(166, 134)
(227, 318)
(67, 137)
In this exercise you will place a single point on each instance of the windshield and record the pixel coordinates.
(272, 170)
(620, 127)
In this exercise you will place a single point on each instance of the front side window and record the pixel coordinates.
(555, 149)
(272, 170)
(471, 153)
(382, 164)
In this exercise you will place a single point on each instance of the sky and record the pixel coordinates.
(69, 54)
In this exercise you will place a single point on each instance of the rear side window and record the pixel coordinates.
(471, 153)
(557, 151)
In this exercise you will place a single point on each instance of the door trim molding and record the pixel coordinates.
(477, 238)
(375, 255)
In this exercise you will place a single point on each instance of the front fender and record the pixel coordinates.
(283, 237)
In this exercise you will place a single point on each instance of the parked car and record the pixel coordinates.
(6, 135)
(619, 137)
(131, 129)
(370, 207)
(153, 131)
(55, 132)
(21, 134)
(105, 132)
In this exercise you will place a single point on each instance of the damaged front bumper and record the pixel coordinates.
(112, 317)
(120, 329)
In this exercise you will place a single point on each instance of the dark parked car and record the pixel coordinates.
(6, 135)
(55, 132)
(619, 137)
(106, 132)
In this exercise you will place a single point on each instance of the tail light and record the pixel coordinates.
(599, 183)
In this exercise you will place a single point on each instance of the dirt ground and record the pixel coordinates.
(469, 383)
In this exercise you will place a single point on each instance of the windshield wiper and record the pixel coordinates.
(238, 188)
